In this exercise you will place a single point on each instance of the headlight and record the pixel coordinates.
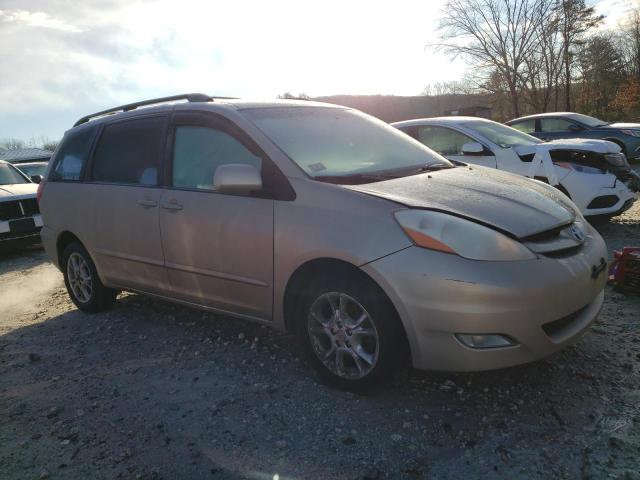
(578, 168)
(633, 133)
(450, 234)
(615, 159)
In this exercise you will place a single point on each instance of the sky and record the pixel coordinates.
(62, 59)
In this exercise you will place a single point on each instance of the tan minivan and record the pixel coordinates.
(323, 221)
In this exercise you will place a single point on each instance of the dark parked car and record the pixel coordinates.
(550, 126)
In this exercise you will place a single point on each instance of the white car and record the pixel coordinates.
(593, 173)
(20, 220)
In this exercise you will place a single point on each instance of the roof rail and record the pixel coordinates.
(191, 97)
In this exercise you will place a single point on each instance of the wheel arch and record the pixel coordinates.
(329, 266)
(65, 239)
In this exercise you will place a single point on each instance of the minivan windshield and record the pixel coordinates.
(344, 146)
(502, 135)
(10, 176)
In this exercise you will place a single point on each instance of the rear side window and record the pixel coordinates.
(526, 126)
(72, 155)
(199, 151)
(554, 125)
(129, 152)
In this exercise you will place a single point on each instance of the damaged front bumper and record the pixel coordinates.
(540, 306)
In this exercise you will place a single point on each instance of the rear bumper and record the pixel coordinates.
(439, 295)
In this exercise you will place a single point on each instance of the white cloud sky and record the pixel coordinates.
(61, 59)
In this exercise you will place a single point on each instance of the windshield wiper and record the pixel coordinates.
(357, 178)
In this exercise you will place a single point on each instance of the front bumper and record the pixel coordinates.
(626, 198)
(10, 237)
(438, 295)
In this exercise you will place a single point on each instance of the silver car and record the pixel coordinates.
(325, 222)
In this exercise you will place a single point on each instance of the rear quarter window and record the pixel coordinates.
(71, 157)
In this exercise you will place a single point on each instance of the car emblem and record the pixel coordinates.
(576, 233)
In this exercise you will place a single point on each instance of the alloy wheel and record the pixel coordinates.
(79, 276)
(343, 335)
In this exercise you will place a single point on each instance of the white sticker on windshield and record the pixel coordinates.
(317, 167)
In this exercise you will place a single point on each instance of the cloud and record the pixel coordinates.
(60, 62)
(37, 19)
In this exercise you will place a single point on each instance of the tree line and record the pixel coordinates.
(17, 144)
(532, 56)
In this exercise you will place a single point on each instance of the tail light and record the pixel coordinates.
(40, 190)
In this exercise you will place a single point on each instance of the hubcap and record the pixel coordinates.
(343, 335)
(79, 277)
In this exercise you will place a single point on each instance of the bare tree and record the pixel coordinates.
(11, 144)
(291, 96)
(461, 87)
(630, 43)
(544, 66)
(576, 20)
(496, 35)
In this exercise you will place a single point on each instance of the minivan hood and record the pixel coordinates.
(18, 189)
(511, 203)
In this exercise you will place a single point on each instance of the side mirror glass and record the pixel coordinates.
(472, 148)
(36, 178)
(236, 177)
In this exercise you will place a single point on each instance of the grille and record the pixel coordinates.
(12, 209)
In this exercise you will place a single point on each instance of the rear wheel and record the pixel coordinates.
(81, 279)
(350, 332)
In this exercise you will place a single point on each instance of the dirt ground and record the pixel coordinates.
(152, 390)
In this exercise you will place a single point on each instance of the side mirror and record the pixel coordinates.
(236, 177)
(472, 148)
(574, 128)
(36, 178)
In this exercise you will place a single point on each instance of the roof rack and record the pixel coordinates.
(191, 97)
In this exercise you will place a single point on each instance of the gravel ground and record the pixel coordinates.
(152, 390)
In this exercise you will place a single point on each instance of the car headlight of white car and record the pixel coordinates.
(450, 234)
(615, 159)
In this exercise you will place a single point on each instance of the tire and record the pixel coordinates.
(369, 352)
(82, 281)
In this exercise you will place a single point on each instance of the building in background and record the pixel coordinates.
(21, 155)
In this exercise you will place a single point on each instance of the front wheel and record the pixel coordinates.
(81, 279)
(350, 332)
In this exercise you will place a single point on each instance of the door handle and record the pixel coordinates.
(172, 205)
(147, 203)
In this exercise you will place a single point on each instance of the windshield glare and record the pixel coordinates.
(10, 176)
(31, 170)
(502, 135)
(588, 121)
(333, 142)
